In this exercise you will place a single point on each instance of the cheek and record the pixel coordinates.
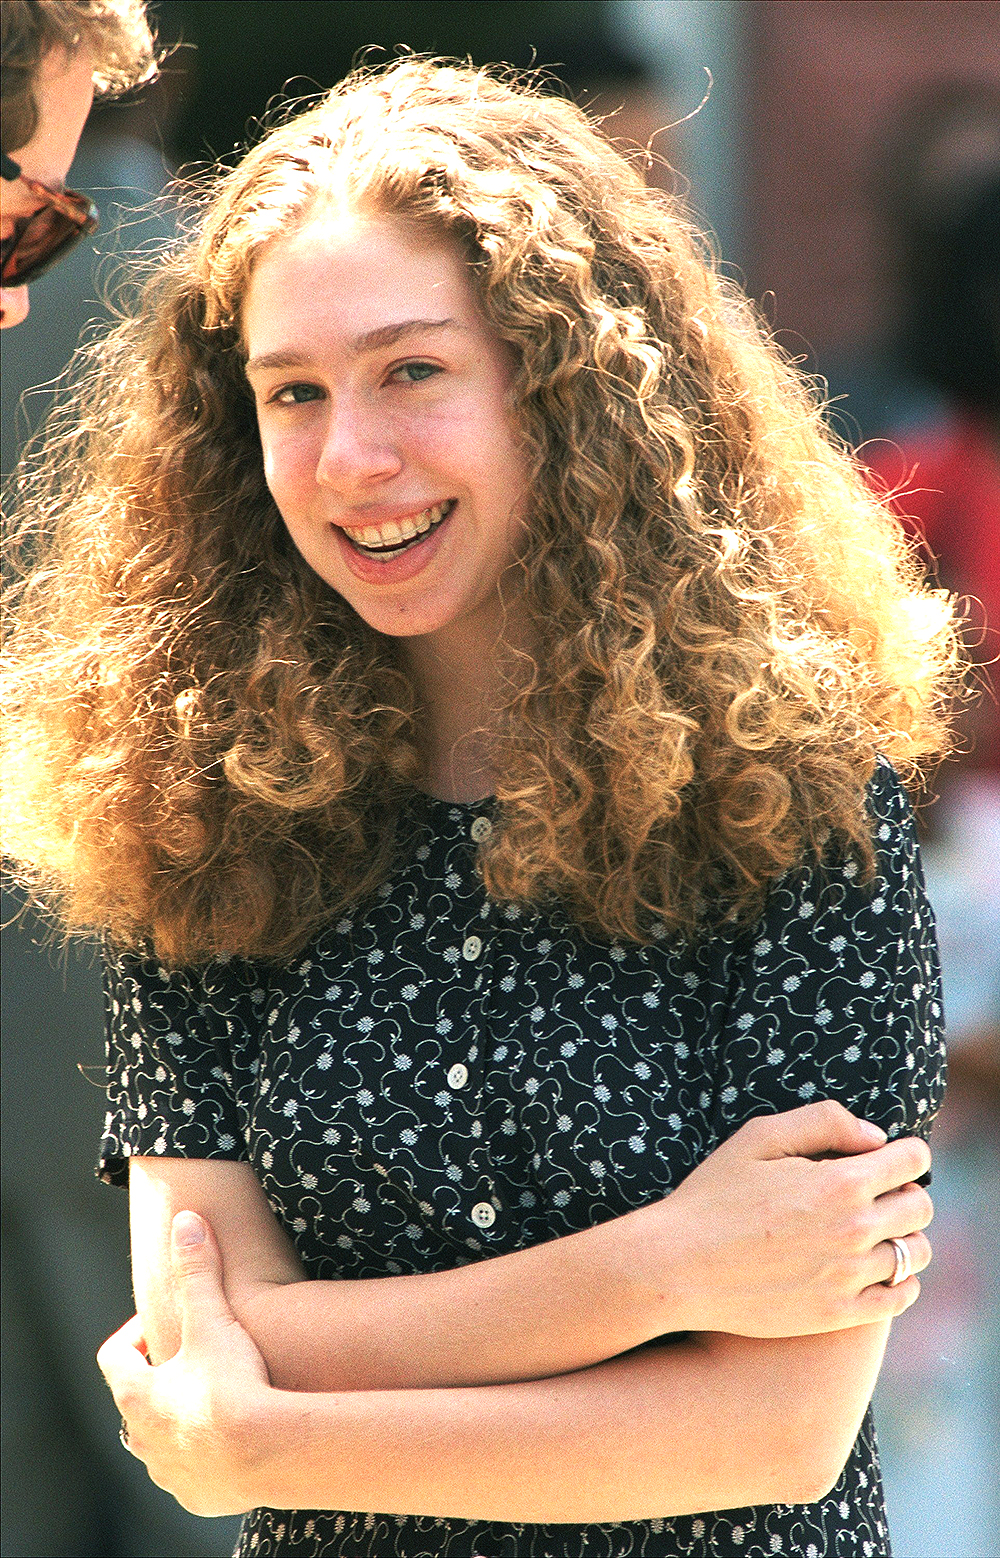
(289, 469)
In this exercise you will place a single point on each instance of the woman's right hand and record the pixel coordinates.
(783, 1229)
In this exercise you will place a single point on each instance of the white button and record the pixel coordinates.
(458, 1075)
(481, 829)
(483, 1215)
(471, 948)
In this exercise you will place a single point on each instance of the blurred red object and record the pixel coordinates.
(945, 486)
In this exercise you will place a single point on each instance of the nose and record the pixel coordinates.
(358, 450)
(13, 306)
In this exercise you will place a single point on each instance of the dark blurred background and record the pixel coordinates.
(847, 160)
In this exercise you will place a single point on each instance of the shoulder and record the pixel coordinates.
(136, 981)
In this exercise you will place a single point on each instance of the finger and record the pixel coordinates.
(815, 1129)
(890, 1167)
(123, 1362)
(880, 1302)
(880, 1265)
(900, 1212)
(197, 1265)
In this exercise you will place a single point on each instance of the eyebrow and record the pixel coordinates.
(370, 341)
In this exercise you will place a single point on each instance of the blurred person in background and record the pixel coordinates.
(55, 55)
(438, 653)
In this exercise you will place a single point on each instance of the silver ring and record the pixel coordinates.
(904, 1263)
(123, 1436)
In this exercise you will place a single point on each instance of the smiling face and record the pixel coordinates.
(388, 443)
(64, 92)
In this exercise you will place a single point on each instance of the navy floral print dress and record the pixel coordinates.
(439, 1078)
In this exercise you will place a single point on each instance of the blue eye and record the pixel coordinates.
(296, 394)
(416, 372)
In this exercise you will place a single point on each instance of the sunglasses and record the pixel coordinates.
(46, 234)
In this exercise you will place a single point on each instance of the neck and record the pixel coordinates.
(463, 677)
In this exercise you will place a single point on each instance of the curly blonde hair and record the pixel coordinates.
(206, 748)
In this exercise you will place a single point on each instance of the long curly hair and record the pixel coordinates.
(206, 748)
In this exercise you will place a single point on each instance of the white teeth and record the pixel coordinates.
(394, 533)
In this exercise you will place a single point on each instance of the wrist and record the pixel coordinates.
(260, 1444)
(656, 1260)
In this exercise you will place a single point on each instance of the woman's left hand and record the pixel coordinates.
(196, 1420)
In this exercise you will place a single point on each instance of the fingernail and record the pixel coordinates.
(188, 1229)
(875, 1131)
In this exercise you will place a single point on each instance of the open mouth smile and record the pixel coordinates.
(398, 536)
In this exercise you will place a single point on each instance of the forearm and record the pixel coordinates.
(704, 1423)
(552, 1309)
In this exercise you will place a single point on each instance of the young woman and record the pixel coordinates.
(467, 685)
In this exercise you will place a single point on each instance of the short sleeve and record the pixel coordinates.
(836, 993)
(170, 1036)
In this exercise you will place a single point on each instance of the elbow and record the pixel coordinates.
(812, 1464)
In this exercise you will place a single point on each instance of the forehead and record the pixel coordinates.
(64, 91)
(342, 275)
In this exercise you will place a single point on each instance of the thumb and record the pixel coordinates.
(197, 1265)
(819, 1129)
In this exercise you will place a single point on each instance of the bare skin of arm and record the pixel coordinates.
(707, 1422)
(758, 1240)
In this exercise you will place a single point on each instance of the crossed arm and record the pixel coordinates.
(490, 1390)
